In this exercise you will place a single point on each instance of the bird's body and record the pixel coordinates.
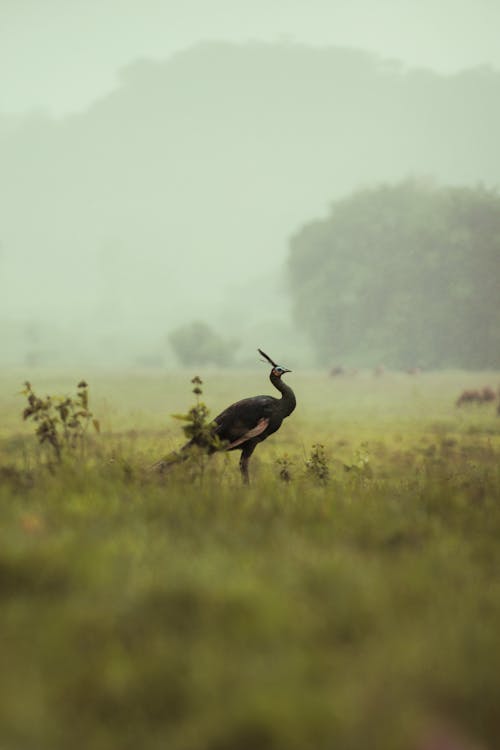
(246, 423)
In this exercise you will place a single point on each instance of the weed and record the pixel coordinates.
(284, 464)
(317, 464)
(198, 428)
(361, 462)
(61, 422)
(201, 438)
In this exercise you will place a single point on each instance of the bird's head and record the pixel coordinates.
(277, 370)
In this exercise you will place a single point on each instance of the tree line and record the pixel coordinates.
(404, 274)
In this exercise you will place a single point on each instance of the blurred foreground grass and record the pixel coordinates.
(191, 613)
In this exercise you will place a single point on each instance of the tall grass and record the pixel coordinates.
(189, 612)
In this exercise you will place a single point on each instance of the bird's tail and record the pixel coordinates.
(171, 459)
(207, 445)
(178, 457)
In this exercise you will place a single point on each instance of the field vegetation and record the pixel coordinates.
(348, 598)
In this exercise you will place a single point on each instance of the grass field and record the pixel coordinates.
(188, 612)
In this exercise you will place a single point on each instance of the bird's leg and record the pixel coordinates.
(244, 468)
(245, 458)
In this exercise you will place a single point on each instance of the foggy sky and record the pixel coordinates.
(59, 55)
(167, 189)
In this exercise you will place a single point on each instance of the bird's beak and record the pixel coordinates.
(285, 370)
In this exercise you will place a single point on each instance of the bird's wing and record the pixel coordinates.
(244, 417)
(259, 427)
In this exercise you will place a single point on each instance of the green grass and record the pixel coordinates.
(191, 613)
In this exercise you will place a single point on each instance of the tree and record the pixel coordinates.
(403, 274)
(197, 344)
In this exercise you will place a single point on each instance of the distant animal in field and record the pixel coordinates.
(413, 370)
(483, 396)
(488, 394)
(246, 423)
(378, 371)
(339, 370)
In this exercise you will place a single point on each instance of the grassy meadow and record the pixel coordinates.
(188, 612)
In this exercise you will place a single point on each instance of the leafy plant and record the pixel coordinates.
(61, 422)
(198, 428)
(285, 464)
(200, 433)
(317, 464)
(361, 462)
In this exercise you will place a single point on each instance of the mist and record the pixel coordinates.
(155, 162)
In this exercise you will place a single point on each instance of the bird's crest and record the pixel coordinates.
(266, 357)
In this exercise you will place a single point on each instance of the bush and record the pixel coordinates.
(197, 344)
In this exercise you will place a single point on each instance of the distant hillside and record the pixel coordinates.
(196, 170)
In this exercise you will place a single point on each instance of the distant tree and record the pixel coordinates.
(407, 274)
(197, 344)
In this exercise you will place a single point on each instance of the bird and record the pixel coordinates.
(246, 423)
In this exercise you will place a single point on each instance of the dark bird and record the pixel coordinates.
(245, 424)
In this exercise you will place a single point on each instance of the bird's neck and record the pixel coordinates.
(288, 401)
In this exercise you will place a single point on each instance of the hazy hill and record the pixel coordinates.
(149, 206)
